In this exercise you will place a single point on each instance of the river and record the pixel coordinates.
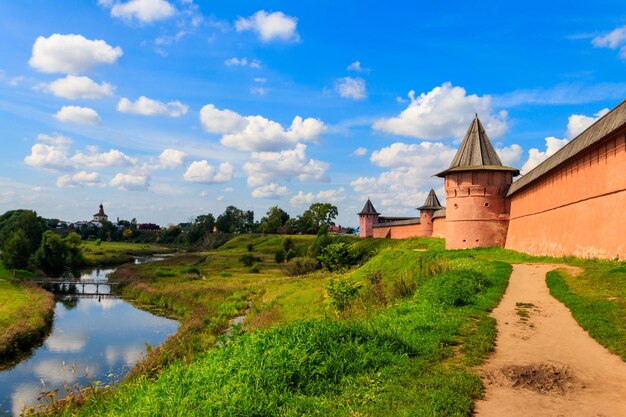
(92, 339)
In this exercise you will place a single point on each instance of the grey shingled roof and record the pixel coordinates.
(439, 213)
(432, 202)
(368, 208)
(405, 222)
(476, 153)
(612, 121)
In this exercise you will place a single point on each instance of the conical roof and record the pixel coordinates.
(476, 152)
(368, 208)
(432, 202)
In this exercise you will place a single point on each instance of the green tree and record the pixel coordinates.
(52, 253)
(74, 252)
(322, 214)
(202, 225)
(25, 220)
(16, 251)
(234, 220)
(274, 219)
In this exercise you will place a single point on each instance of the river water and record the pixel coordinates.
(92, 339)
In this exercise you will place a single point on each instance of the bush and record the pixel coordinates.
(248, 259)
(250, 247)
(255, 269)
(192, 270)
(320, 242)
(403, 286)
(335, 256)
(279, 256)
(457, 287)
(288, 244)
(342, 293)
(301, 266)
(291, 253)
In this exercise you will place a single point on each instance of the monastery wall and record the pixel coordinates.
(439, 227)
(398, 231)
(577, 208)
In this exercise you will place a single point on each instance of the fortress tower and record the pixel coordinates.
(427, 210)
(477, 211)
(367, 218)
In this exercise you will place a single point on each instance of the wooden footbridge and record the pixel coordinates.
(83, 286)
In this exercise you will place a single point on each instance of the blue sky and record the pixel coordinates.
(165, 110)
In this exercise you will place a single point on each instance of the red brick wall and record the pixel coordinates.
(577, 209)
(398, 232)
(439, 227)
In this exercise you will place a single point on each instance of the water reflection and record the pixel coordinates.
(91, 339)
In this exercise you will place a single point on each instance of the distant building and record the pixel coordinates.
(100, 216)
(148, 227)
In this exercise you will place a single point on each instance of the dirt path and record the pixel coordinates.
(545, 364)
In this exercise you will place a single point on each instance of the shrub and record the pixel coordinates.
(288, 244)
(342, 293)
(376, 288)
(320, 242)
(335, 256)
(301, 266)
(98, 242)
(255, 269)
(192, 270)
(403, 286)
(279, 256)
(291, 253)
(250, 247)
(458, 287)
(248, 259)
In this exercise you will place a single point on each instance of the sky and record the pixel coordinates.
(164, 110)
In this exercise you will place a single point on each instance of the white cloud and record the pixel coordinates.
(577, 123)
(263, 167)
(256, 133)
(145, 11)
(260, 80)
(228, 190)
(325, 196)
(302, 199)
(77, 114)
(360, 151)
(352, 88)
(271, 190)
(80, 179)
(56, 139)
(445, 111)
(242, 62)
(73, 88)
(357, 67)
(410, 176)
(535, 156)
(510, 155)
(49, 157)
(148, 107)
(270, 26)
(71, 54)
(130, 182)
(259, 91)
(112, 158)
(171, 158)
(202, 172)
(613, 40)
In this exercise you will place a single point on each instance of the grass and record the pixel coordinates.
(408, 352)
(25, 315)
(597, 300)
(117, 253)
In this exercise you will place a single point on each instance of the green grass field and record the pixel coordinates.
(25, 314)
(117, 253)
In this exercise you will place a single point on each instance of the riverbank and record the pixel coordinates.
(26, 313)
(118, 253)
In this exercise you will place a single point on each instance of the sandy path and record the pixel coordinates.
(545, 364)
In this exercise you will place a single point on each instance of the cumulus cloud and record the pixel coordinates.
(613, 40)
(510, 155)
(74, 87)
(80, 179)
(270, 26)
(71, 54)
(256, 133)
(171, 158)
(352, 88)
(409, 175)
(577, 123)
(144, 11)
(130, 182)
(242, 62)
(148, 107)
(258, 91)
(325, 196)
(360, 151)
(203, 172)
(535, 156)
(271, 190)
(445, 111)
(52, 153)
(357, 67)
(264, 167)
(77, 114)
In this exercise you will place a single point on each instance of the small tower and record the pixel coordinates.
(477, 212)
(100, 216)
(367, 218)
(427, 210)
